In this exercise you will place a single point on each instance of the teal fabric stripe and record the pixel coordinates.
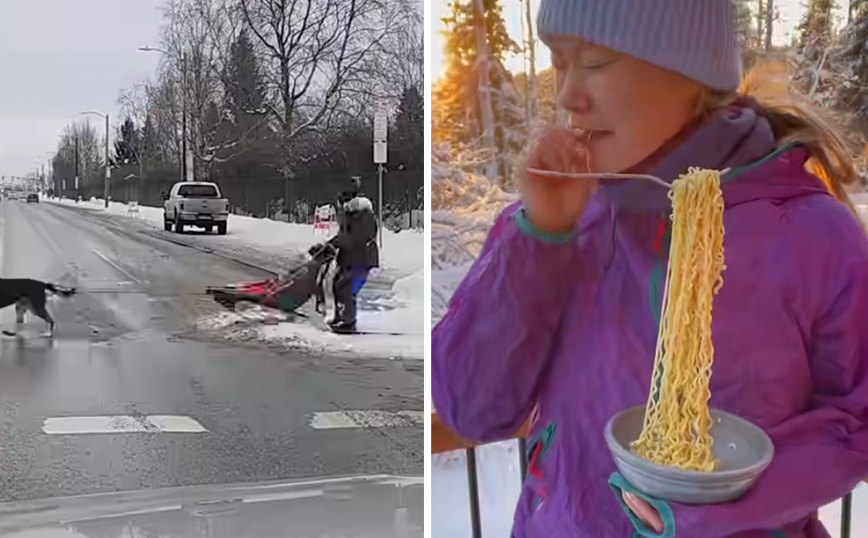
(546, 437)
(779, 533)
(618, 484)
(734, 173)
(655, 291)
(528, 230)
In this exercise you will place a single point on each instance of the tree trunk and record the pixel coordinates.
(760, 21)
(770, 17)
(531, 51)
(483, 64)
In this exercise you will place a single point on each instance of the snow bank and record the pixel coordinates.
(395, 332)
(401, 254)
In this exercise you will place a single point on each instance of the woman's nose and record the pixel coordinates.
(572, 94)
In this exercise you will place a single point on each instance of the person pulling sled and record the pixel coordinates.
(345, 275)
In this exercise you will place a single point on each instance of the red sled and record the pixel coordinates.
(288, 293)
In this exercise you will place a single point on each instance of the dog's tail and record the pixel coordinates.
(60, 290)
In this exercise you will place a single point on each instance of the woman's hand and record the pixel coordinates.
(554, 205)
(644, 511)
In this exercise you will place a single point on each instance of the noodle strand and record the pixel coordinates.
(677, 425)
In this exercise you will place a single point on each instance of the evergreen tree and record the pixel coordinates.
(409, 130)
(126, 149)
(852, 91)
(458, 115)
(815, 30)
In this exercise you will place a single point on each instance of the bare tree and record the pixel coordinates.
(530, 48)
(316, 52)
(483, 67)
(133, 102)
(398, 62)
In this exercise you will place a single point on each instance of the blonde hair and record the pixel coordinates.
(832, 153)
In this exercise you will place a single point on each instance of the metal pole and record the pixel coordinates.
(108, 170)
(184, 172)
(473, 492)
(846, 515)
(77, 164)
(380, 203)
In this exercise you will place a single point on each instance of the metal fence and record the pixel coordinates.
(443, 441)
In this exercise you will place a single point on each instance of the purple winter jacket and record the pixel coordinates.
(569, 330)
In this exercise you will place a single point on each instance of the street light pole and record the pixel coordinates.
(186, 165)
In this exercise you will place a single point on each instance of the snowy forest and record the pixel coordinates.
(273, 100)
(482, 113)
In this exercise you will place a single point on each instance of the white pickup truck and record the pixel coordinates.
(195, 203)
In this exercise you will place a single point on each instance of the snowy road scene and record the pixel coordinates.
(212, 268)
(133, 392)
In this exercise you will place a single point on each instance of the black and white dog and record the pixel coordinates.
(31, 295)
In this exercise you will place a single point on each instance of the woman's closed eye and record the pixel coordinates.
(599, 63)
(591, 60)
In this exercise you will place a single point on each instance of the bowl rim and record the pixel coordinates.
(624, 454)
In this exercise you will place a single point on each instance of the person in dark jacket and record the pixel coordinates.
(357, 254)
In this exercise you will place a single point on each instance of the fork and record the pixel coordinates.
(571, 175)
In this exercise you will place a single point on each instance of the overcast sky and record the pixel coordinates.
(61, 57)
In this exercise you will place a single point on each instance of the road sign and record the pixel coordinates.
(380, 152)
(381, 122)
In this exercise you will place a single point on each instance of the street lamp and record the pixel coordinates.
(108, 170)
(185, 166)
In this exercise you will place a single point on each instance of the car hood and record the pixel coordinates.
(378, 506)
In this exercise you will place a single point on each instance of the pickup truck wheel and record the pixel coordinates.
(179, 226)
(221, 228)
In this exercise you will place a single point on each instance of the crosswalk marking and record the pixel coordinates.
(349, 419)
(121, 424)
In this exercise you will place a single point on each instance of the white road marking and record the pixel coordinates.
(176, 424)
(115, 265)
(121, 424)
(339, 420)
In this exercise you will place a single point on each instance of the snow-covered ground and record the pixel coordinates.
(456, 239)
(395, 317)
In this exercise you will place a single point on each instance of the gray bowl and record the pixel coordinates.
(744, 451)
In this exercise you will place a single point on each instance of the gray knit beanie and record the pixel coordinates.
(696, 38)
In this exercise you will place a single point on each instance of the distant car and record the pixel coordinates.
(32, 198)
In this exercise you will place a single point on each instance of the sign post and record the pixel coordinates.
(381, 121)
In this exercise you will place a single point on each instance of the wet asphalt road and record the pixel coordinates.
(125, 346)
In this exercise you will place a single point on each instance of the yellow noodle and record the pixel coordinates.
(677, 423)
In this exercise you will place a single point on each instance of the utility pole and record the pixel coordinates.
(186, 168)
(77, 164)
(108, 164)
